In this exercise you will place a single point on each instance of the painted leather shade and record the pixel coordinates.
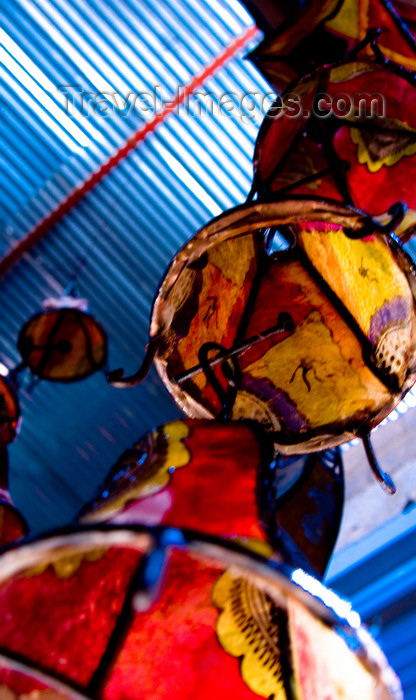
(63, 345)
(9, 413)
(129, 613)
(321, 336)
(223, 479)
(361, 153)
(324, 31)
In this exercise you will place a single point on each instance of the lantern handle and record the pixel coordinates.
(397, 212)
(117, 379)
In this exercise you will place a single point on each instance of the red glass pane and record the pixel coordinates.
(191, 474)
(202, 620)
(64, 613)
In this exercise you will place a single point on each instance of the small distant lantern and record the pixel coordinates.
(63, 343)
(123, 611)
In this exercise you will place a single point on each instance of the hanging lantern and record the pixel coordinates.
(129, 612)
(323, 31)
(9, 413)
(317, 342)
(349, 134)
(223, 479)
(63, 343)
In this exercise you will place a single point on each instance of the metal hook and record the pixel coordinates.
(397, 212)
(230, 371)
(117, 379)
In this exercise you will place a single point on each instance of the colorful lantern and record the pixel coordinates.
(317, 342)
(323, 31)
(63, 343)
(223, 479)
(347, 132)
(129, 612)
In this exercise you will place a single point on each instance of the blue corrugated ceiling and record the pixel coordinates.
(193, 166)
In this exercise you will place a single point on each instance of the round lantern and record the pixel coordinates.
(223, 479)
(316, 342)
(347, 132)
(135, 613)
(63, 345)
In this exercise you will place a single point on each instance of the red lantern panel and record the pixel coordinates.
(114, 614)
(347, 132)
(194, 474)
(67, 610)
(223, 479)
(20, 681)
(63, 345)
